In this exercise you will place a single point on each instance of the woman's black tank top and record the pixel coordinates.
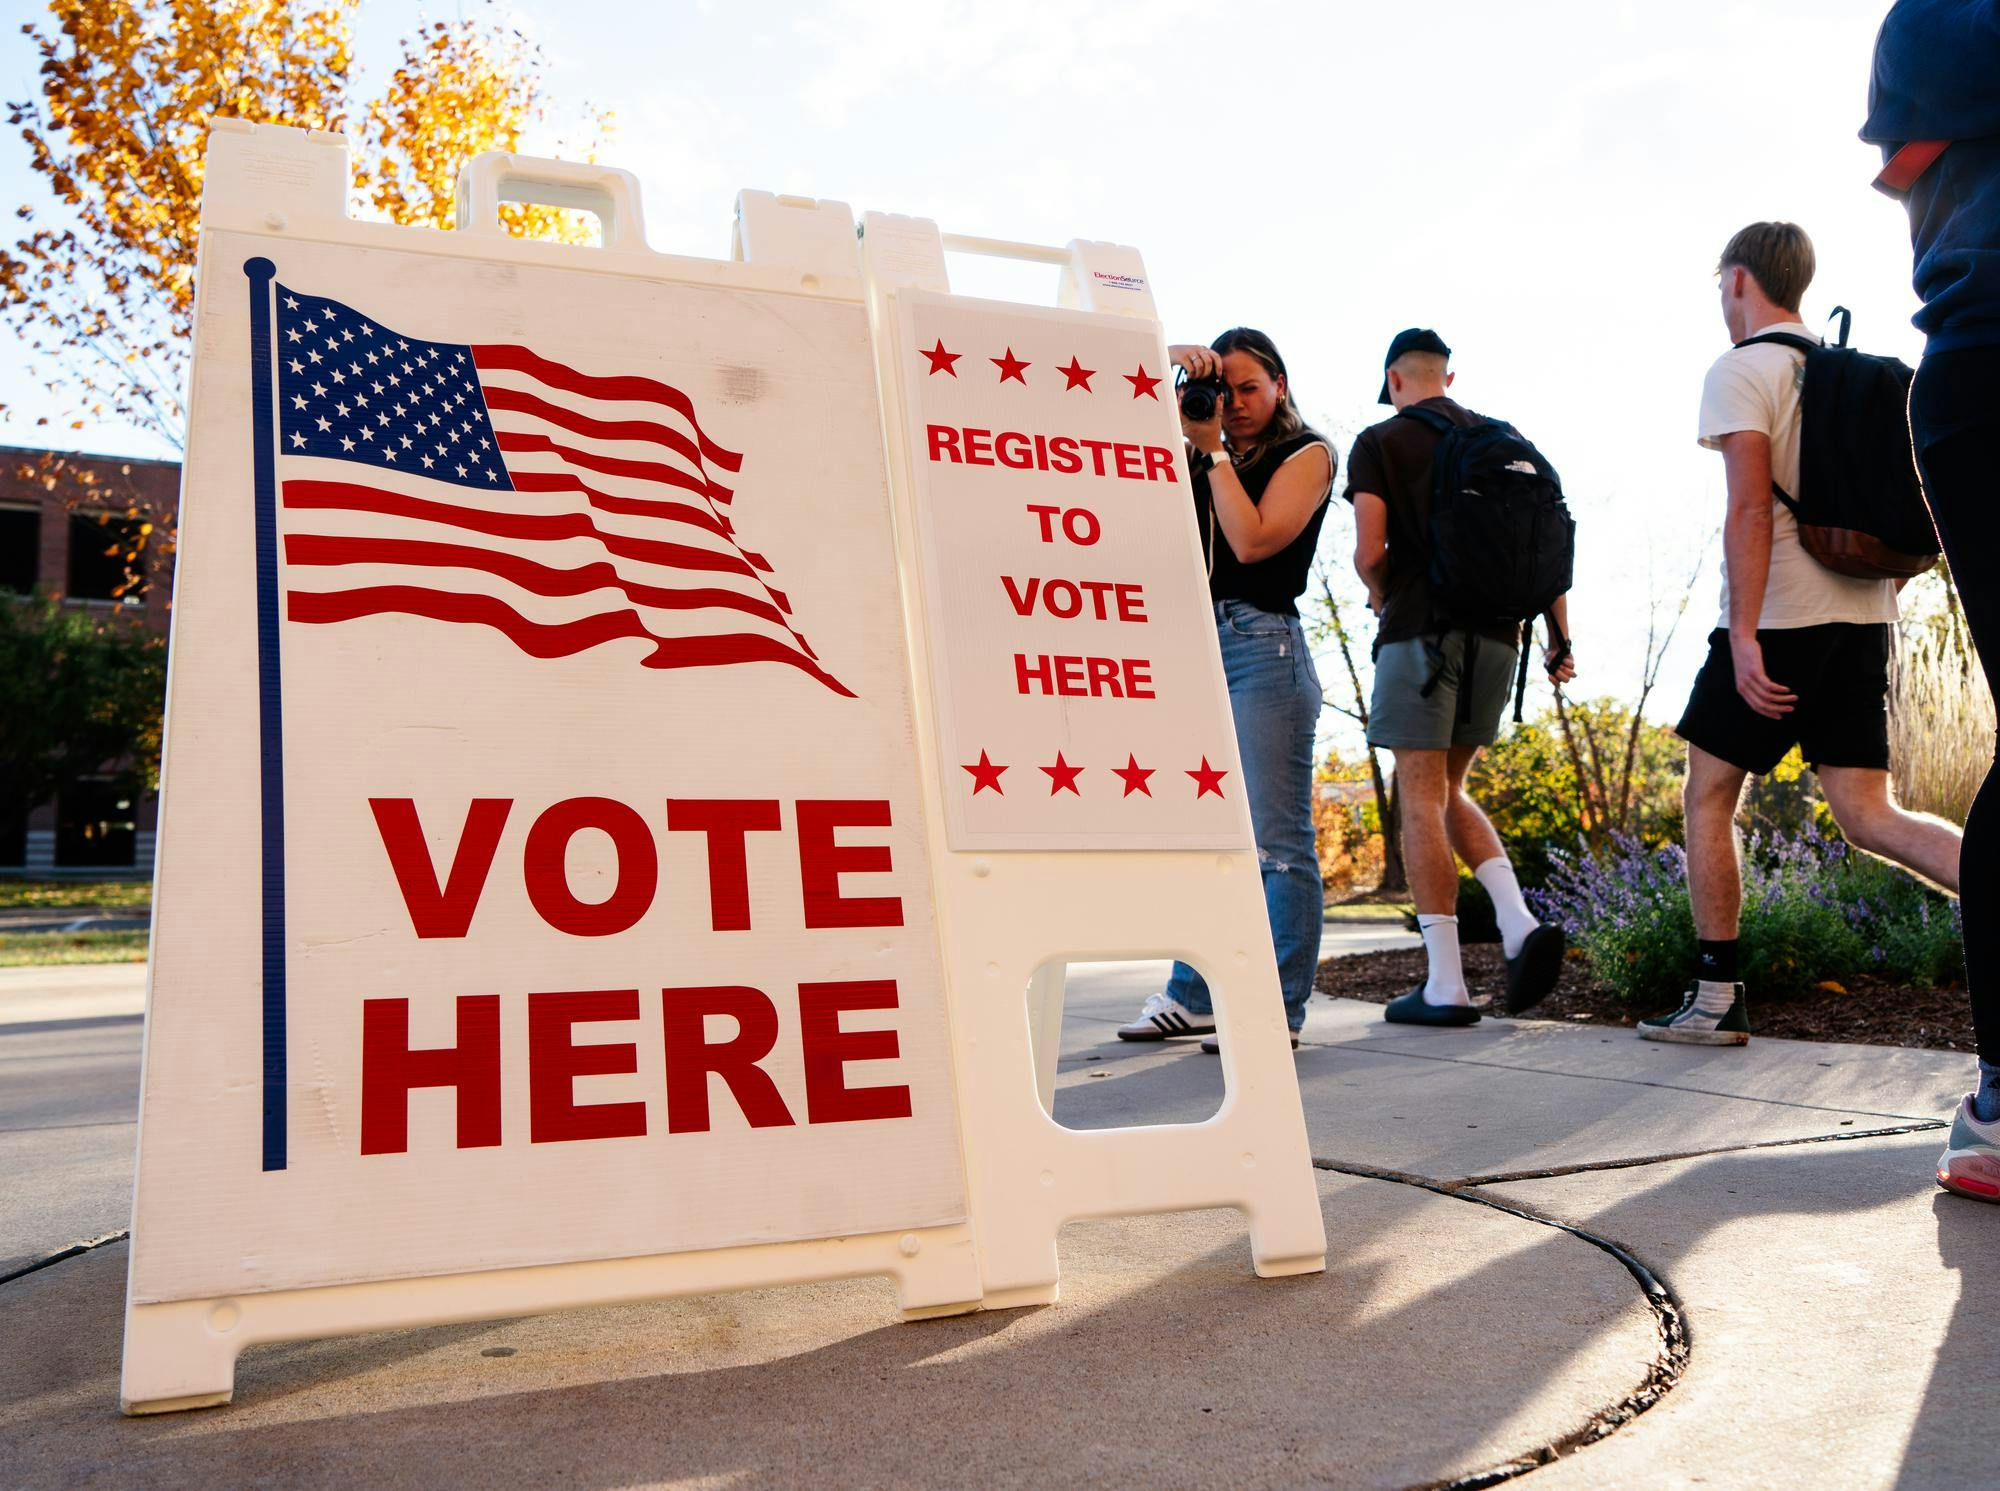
(1273, 584)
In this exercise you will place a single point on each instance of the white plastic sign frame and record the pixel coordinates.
(1004, 924)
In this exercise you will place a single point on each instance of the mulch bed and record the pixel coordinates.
(1871, 1012)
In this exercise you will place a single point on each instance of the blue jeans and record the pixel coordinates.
(1274, 694)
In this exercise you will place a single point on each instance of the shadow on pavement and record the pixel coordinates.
(1819, 1320)
(1954, 1423)
(1167, 1362)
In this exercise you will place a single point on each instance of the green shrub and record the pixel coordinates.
(1795, 933)
(1914, 932)
(1813, 912)
(1528, 784)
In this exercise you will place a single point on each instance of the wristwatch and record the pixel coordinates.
(1217, 457)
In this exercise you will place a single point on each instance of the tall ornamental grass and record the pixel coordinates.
(1815, 913)
(1941, 716)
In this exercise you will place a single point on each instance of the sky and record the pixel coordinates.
(1546, 183)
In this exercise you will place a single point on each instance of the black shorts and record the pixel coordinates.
(1840, 672)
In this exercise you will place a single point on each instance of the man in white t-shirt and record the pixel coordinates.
(1800, 655)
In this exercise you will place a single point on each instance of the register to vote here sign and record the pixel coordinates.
(1080, 696)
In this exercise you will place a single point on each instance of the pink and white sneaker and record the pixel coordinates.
(1970, 1164)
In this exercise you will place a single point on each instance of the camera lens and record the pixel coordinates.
(1198, 399)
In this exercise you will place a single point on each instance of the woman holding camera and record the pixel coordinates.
(1261, 480)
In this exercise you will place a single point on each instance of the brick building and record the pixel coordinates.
(66, 521)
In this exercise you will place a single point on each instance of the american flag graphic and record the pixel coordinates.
(488, 485)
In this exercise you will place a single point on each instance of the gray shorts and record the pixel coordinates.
(1400, 717)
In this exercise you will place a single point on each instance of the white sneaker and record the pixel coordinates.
(1162, 1016)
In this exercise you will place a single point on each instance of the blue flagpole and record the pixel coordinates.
(270, 701)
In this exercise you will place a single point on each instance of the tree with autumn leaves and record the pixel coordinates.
(99, 288)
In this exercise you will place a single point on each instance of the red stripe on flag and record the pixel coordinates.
(304, 494)
(679, 512)
(628, 389)
(673, 476)
(632, 507)
(543, 639)
(541, 579)
(519, 401)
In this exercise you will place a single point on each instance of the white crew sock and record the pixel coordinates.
(1713, 999)
(1516, 921)
(1446, 984)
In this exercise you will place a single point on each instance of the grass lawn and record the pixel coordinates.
(61, 895)
(45, 949)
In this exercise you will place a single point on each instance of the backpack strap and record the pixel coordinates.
(1562, 651)
(1431, 417)
(1798, 344)
(1783, 339)
(1463, 713)
(1466, 676)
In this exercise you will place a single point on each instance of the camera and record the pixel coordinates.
(1198, 396)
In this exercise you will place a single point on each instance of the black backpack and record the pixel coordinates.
(1860, 506)
(1503, 543)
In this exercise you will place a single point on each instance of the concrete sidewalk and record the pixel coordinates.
(1647, 1265)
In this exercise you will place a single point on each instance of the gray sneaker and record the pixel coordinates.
(1970, 1165)
(1691, 1027)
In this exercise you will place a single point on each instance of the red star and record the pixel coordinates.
(1135, 775)
(985, 775)
(1207, 780)
(1078, 375)
(1011, 366)
(1062, 776)
(941, 360)
(1142, 383)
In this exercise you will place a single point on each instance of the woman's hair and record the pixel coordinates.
(1286, 420)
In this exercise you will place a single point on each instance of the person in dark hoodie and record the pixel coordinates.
(1934, 108)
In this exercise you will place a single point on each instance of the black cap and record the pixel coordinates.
(1415, 339)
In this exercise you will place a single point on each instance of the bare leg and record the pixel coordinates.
(1421, 785)
(1470, 831)
(1864, 805)
(1713, 791)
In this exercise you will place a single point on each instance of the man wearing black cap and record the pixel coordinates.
(1439, 691)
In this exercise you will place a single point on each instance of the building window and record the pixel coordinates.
(20, 549)
(96, 823)
(98, 544)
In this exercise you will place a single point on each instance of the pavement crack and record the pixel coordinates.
(1669, 1319)
(74, 1250)
(1554, 1172)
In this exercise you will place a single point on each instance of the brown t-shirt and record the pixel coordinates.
(1393, 460)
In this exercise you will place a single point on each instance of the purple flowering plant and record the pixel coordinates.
(1814, 912)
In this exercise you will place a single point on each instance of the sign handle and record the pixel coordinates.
(496, 176)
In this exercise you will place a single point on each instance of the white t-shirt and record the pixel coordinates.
(1757, 388)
